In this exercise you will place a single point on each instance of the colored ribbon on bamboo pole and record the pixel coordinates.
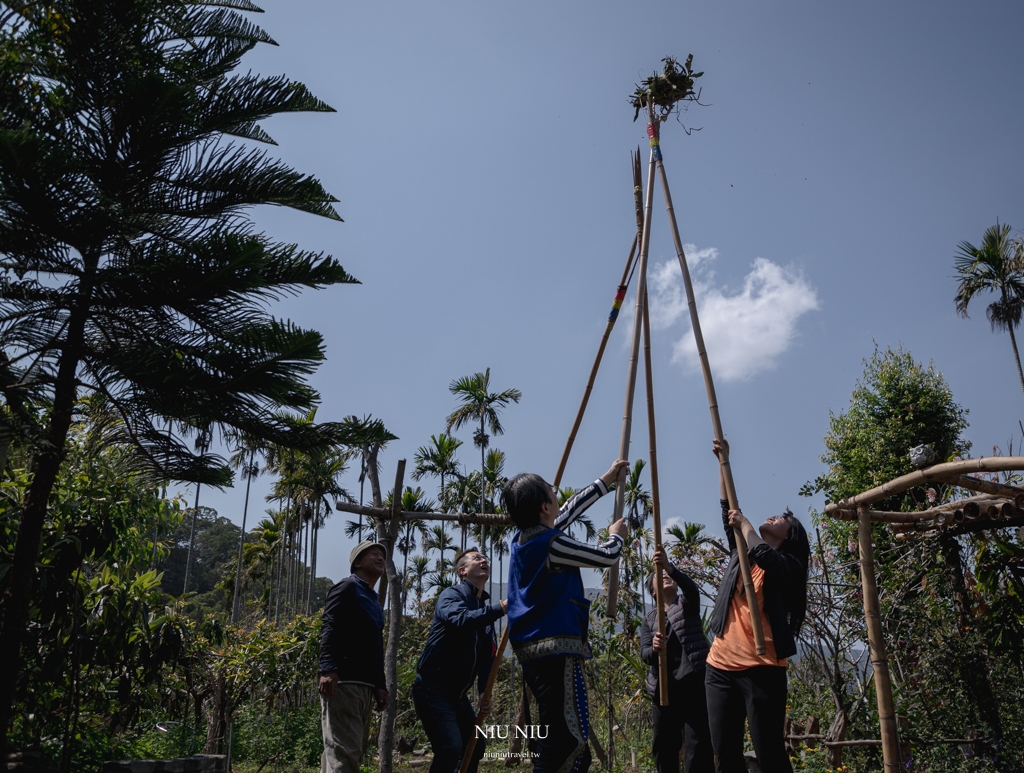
(709, 384)
(484, 697)
(652, 435)
(627, 412)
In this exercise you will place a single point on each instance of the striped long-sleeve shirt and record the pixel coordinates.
(566, 551)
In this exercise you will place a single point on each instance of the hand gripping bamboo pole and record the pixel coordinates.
(484, 697)
(627, 411)
(876, 646)
(659, 592)
(709, 384)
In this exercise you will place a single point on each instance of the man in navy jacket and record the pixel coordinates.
(460, 649)
(352, 661)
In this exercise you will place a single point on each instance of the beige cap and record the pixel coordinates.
(361, 548)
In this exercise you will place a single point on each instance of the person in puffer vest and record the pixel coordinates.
(683, 723)
(549, 613)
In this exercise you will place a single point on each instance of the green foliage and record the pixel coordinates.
(897, 404)
(667, 89)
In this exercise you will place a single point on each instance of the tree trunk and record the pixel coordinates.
(236, 603)
(386, 737)
(20, 579)
(191, 541)
(312, 557)
(1016, 355)
(216, 723)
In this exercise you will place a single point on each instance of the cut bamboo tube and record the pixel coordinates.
(922, 477)
(486, 696)
(655, 506)
(627, 411)
(620, 294)
(977, 484)
(879, 663)
(709, 385)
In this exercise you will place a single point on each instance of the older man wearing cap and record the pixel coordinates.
(352, 660)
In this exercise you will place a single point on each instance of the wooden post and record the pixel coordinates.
(656, 506)
(879, 663)
(709, 385)
(485, 696)
(627, 411)
(386, 736)
(620, 294)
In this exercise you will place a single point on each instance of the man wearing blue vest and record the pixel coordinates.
(548, 611)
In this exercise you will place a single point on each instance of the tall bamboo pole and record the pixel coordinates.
(879, 662)
(659, 592)
(627, 411)
(620, 294)
(709, 384)
(484, 696)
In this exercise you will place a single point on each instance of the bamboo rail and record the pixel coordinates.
(386, 513)
(709, 385)
(655, 505)
(936, 473)
(492, 677)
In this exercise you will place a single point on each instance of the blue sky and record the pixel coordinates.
(480, 154)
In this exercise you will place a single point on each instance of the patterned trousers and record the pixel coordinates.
(564, 722)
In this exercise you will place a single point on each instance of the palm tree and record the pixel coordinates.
(136, 210)
(246, 446)
(316, 478)
(438, 459)
(203, 441)
(638, 505)
(413, 501)
(996, 266)
(479, 404)
(420, 569)
(437, 539)
(260, 554)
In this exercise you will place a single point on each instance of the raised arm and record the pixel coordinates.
(576, 505)
(718, 449)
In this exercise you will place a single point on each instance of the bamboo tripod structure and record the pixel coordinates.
(656, 163)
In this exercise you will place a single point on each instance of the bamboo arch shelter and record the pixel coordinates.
(997, 506)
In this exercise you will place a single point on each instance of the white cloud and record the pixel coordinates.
(746, 332)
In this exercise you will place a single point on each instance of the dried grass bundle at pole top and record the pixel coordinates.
(666, 90)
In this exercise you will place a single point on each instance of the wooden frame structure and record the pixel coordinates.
(997, 506)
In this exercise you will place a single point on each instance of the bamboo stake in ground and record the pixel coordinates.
(659, 592)
(876, 646)
(627, 412)
(484, 697)
(709, 384)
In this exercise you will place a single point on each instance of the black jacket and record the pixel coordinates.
(779, 570)
(460, 645)
(687, 645)
(351, 640)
